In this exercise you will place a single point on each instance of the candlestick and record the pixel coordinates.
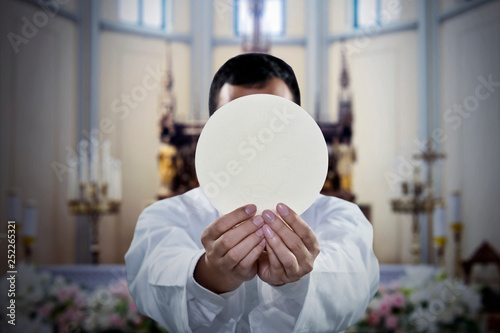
(418, 197)
(456, 207)
(439, 233)
(98, 194)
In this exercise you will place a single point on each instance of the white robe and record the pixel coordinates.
(167, 245)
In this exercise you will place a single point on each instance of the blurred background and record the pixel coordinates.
(115, 92)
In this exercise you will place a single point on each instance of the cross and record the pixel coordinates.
(429, 156)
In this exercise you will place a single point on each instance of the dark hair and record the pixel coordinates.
(250, 69)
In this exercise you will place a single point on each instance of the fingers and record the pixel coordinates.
(280, 255)
(228, 221)
(238, 254)
(292, 241)
(234, 236)
(247, 263)
(273, 259)
(300, 227)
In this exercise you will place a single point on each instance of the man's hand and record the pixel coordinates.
(291, 250)
(233, 243)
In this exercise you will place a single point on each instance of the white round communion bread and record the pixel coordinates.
(261, 149)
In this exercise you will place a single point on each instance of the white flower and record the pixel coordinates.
(472, 300)
(446, 316)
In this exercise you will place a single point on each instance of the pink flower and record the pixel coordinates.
(132, 308)
(391, 322)
(383, 308)
(73, 289)
(46, 309)
(63, 294)
(373, 319)
(116, 321)
(72, 315)
(80, 300)
(387, 299)
(398, 300)
(120, 288)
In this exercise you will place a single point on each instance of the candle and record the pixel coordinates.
(13, 206)
(94, 163)
(456, 207)
(439, 222)
(106, 161)
(30, 219)
(84, 160)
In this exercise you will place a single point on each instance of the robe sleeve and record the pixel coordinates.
(160, 264)
(334, 296)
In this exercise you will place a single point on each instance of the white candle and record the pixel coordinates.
(439, 222)
(30, 219)
(106, 161)
(94, 163)
(456, 207)
(14, 206)
(84, 160)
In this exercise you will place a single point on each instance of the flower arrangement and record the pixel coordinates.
(51, 304)
(423, 301)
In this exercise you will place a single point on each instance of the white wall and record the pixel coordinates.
(38, 103)
(470, 49)
(384, 84)
(125, 63)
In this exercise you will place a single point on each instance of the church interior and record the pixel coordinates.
(102, 103)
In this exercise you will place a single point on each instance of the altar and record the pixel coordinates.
(96, 298)
(91, 277)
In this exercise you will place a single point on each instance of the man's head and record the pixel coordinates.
(252, 73)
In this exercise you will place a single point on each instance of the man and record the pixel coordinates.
(191, 270)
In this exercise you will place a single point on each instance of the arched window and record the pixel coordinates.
(145, 13)
(369, 13)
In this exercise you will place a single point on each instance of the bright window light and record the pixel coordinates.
(152, 15)
(376, 12)
(367, 13)
(391, 11)
(128, 11)
(272, 18)
(148, 13)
